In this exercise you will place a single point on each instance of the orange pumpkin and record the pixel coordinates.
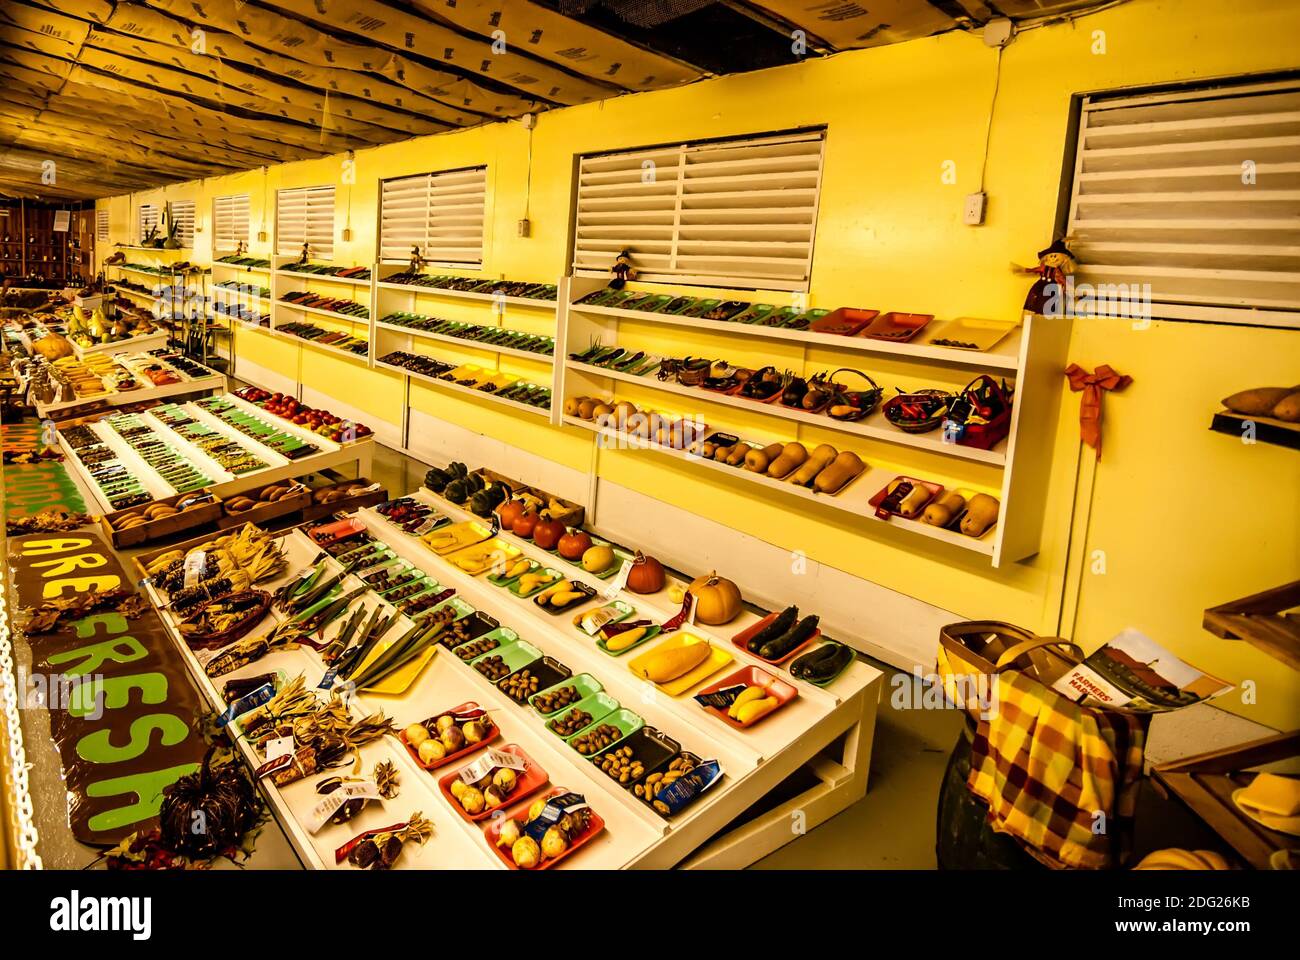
(646, 575)
(717, 599)
(509, 512)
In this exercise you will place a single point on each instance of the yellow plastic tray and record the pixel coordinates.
(458, 536)
(715, 661)
(482, 557)
(396, 683)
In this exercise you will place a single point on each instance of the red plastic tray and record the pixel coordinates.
(529, 782)
(752, 677)
(337, 530)
(742, 638)
(879, 497)
(468, 748)
(844, 321)
(897, 327)
(493, 830)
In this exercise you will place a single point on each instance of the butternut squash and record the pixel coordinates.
(981, 513)
(942, 510)
(737, 454)
(793, 455)
(843, 469)
(758, 460)
(816, 462)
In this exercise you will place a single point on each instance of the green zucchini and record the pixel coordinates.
(779, 625)
(823, 664)
(778, 648)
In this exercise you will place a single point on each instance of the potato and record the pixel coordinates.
(981, 513)
(1258, 402)
(841, 470)
(793, 455)
(818, 461)
(1288, 408)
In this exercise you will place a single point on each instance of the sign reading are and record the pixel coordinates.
(131, 733)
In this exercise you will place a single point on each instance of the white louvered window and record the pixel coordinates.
(440, 213)
(181, 214)
(148, 219)
(732, 213)
(229, 222)
(101, 225)
(1186, 204)
(305, 215)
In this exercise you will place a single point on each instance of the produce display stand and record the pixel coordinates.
(185, 387)
(140, 344)
(225, 484)
(755, 761)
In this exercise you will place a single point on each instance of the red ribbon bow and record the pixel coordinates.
(1092, 385)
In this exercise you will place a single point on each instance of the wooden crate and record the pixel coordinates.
(316, 510)
(164, 527)
(270, 510)
(1268, 621)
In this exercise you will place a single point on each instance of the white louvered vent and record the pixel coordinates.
(229, 222)
(440, 213)
(734, 213)
(1195, 193)
(101, 225)
(148, 219)
(305, 215)
(181, 213)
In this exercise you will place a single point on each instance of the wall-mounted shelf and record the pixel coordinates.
(1280, 433)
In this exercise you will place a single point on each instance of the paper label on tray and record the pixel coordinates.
(279, 747)
(194, 564)
(592, 621)
(361, 790)
(429, 523)
(490, 761)
(618, 581)
(327, 681)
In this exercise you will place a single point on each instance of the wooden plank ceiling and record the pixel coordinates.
(102, 97)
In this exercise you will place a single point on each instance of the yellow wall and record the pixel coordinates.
(1186, 518)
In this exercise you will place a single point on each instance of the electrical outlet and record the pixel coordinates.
(525, 227)
(347, 235)
(973, 213)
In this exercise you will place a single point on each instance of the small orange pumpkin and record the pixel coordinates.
(717, 599)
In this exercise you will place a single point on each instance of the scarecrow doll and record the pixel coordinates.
(1055, 263)
(622, 271)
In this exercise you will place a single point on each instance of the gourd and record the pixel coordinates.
(794, 455)
(981, 513)
(941, 511)
(843, 468)
(1289, 408)
(646, 575)
(547, 532)
(758, 461)
(717, 600)
(524, 524)
(820, 458)
(509, 512)
(53, 347)
(737, 454)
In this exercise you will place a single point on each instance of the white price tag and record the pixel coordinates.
(618, 581)
(490, 761)
(321, 813)
(279, 747)
(194, 564)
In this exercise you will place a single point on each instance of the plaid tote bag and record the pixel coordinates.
(1059, 777)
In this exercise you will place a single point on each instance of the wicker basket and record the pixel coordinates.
(894, 413)
(259, 604)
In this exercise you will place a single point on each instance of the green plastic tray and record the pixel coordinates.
(600, 705)
(505, 635)
(516, 655)
(627, 722)
(585, 682)
(514, 587)
(651, 632)
(497, 581)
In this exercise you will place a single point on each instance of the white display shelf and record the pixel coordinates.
(852, 499)
(873, 426)
(543, 412)
(140, 344)
(322, 278)
(1005, 355)
(153, 484)
(127, 291)
(755, 760)
(216, 383)
(331, 314)
(218, 265)
(439, 293)
(463, 343)
(242, 298)
(360, 358)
